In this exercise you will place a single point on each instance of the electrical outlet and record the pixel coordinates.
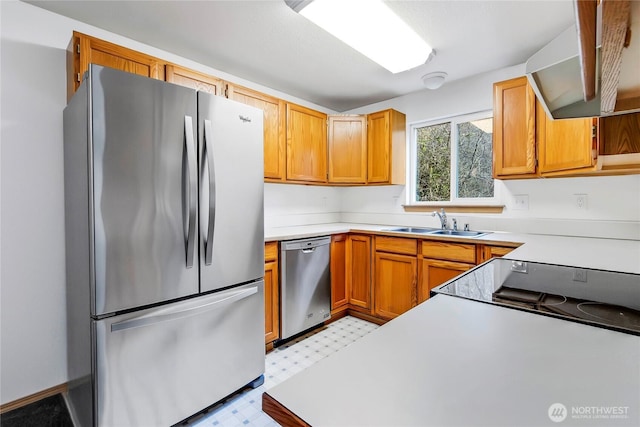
(579, 275)
(521, 202)
(581, 201)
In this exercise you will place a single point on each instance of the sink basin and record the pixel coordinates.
(423, 230)
(460, 233)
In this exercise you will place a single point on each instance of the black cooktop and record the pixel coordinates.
(601, 298)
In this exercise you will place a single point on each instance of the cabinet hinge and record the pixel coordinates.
(78, 48)
(594, 131)
(78, 77)
(226, 90)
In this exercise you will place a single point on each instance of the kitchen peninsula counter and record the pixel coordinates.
(451, 361)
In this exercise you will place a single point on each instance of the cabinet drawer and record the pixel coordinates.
(271, 251)
(449, 251)
(397, 245)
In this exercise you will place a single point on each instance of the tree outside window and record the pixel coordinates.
(453, 160)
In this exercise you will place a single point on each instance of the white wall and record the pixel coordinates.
(32, 280)
(613, 208)
(288, 205)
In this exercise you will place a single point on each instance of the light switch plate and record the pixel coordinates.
(521, 202)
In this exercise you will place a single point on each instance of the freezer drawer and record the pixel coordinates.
(159, 366)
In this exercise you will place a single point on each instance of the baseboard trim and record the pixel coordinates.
(32, 398)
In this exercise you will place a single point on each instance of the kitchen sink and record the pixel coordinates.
(423, 230)
(460, 233)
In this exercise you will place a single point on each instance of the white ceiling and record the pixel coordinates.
(264, 41)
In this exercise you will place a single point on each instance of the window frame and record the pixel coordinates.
(453, 164)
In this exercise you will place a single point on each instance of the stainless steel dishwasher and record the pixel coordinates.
(306, 284)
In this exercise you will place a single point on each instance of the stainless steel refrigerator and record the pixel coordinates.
(164, 249)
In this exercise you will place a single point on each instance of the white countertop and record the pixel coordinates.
(452, 361)
(605, 254)
(455, 362)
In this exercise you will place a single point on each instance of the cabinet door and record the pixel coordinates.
(486, 252)
(274, 128)
(87, 50)
(306, 144)
(394, 286)
(271, 293)
(359, 270)
(619, 134)
(347, 149)
(378, 147)
(339, 296)
(435, 272)
(564, 145)
(193, 79)
(514, 149)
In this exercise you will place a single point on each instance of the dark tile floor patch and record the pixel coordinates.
(49, 412)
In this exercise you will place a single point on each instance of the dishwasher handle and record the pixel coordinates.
(305, 245)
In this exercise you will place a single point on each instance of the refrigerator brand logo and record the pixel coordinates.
(245, 119)
(557, 412)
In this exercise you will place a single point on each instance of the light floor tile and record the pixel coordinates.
(245, 409)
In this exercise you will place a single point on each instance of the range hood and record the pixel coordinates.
(555, 74)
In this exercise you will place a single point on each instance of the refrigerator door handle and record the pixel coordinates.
(218, 302)
(191, 191)
(208, 149)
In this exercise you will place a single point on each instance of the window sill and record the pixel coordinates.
(454, 208)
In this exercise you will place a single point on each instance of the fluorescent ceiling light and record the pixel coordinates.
(369, 27)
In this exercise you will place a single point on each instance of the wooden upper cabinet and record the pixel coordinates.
(84, 50)
(347, 149)
(274, 128)
(514, 115)
(306, 144)
(565, 145)
(194, 79)
(620, 134)
(386, 141)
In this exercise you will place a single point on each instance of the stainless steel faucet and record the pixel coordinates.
(443, 218)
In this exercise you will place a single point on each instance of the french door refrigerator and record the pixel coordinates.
(165, 249)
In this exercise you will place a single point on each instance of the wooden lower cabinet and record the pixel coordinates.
(394, 284)
(434, 272)
(339, 296)
(486, 252)
(358, 270)
(271, 293)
